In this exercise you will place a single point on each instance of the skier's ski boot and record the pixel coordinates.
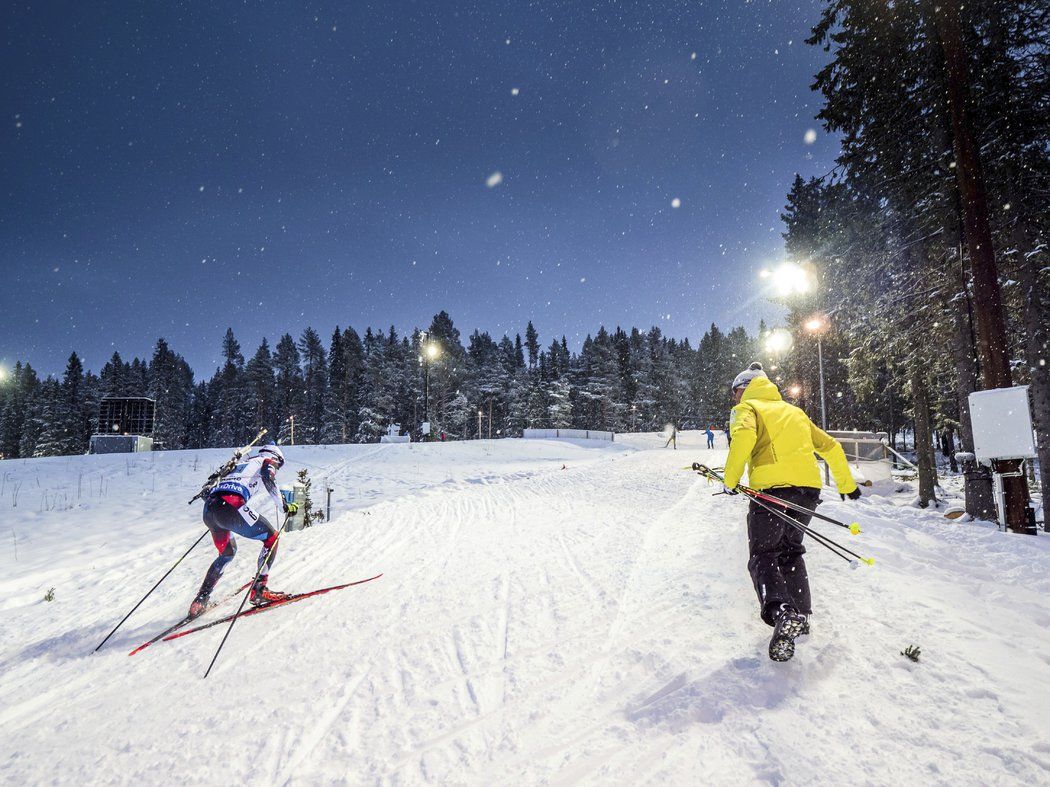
(789, 625)
(261, 596)
(199, 605)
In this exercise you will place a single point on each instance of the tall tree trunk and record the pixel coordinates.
(1037, 350)
(988, 303)
(924, 451)
(980, 503)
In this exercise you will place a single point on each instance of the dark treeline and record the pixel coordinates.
(352, 388)
(891, 233)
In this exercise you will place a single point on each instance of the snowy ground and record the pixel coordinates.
(549, 613)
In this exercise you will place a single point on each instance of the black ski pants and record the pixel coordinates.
(776, 565)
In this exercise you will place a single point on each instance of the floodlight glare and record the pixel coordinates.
(778, 341)
(791, 279)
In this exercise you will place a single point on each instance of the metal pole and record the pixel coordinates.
(823, 406)
(291, 419)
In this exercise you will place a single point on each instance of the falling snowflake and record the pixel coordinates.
(810, 136)
(676, 203)
(494, 179)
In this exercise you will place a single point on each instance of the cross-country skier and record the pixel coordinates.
(776, 441)
(710, 438)
(243, 502)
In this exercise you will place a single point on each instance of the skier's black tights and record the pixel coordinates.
(776, 565)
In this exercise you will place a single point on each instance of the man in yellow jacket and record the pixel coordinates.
(776, 442)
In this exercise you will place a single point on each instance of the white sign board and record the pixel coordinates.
(1002, 424)
(425, 428)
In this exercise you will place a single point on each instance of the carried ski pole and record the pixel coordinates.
(852, 527)
(820, 538)
(110, 634)
(833, 546)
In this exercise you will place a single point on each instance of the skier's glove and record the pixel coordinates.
(291, 508)
(727, 491)
(854, 495)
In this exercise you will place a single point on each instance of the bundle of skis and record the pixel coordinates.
(781, 508)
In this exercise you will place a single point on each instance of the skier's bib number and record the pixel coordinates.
(247, 513)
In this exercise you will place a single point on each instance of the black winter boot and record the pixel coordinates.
(789, 625)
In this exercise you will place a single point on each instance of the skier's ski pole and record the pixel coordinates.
(820, 538)
(110, 634)
(852, 527)
(237, 614)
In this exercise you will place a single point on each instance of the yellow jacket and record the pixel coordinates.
(776, 441)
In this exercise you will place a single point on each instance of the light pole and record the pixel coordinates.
(817, 326)
(429, 352)
(479, 423)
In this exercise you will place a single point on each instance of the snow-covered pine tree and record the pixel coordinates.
(261, 390)
(315, 384)
(290, 385)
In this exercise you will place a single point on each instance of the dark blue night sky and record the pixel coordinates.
(169, 169)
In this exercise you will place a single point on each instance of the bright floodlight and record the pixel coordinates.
(778, 341)
(814, 324)
(433, 350)
(790, 279)
(795, 390)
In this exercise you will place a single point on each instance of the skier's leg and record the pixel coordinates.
(764, 533)
(218, 516)
(792, 563)
(227, 546)
(261, 530)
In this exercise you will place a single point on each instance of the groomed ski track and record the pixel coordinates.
(534, 625)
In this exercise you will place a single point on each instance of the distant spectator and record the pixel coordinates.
(710, 438)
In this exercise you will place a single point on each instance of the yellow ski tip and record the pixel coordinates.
(854, 528)
(869, 560)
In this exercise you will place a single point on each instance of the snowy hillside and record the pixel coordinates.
(548, 613)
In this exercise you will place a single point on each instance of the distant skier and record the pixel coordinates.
(710, 438)
(673, 438)
(241, 503)
(729, 438)
(776, 441)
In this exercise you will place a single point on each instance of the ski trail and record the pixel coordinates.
(652, 532)
(317, 732)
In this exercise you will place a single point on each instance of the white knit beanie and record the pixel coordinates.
(749, 374)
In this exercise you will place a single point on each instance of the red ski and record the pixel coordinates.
(186, 620)
(264, 607)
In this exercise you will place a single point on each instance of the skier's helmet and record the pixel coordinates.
(272, 453)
